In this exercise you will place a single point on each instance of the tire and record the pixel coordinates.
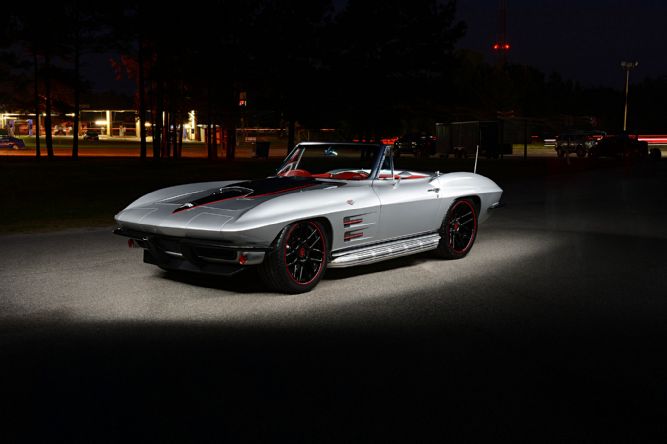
(581, 151)
(298, 258)
(655, 154)
(560, 153)
(458, 230)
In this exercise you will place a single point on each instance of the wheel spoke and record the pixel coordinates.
(314, 242)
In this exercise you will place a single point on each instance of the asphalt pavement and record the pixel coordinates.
(552, 329)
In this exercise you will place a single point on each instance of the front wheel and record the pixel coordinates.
(298, 258)
(458, 230)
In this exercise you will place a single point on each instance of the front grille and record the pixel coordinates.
(167, 245)
(214, 254)
(193, 251)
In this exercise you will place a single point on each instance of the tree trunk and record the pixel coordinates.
(214, 142)
(142, 101)
(209, 135)
(38, 152)
(291, 130)
(47, 120)
(179, 143)
(77, 83)
(174, 136)
(231, 143)
(167, 133)
(157, 120)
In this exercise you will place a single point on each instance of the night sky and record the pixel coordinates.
(584, 40)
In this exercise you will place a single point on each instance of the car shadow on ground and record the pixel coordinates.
(246, 281)
(249, 281)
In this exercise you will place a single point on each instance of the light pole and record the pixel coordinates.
(627, 66)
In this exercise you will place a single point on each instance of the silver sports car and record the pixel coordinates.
(329, 205)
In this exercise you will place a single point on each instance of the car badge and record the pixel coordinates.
(350, 201)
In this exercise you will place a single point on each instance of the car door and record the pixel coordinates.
(408, 206)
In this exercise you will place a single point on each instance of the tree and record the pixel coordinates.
(42, 36)
(288, 69)
(391, 57)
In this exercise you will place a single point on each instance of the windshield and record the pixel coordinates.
(332, 161)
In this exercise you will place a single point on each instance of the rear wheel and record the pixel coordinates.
(458, 230)
(298, 259)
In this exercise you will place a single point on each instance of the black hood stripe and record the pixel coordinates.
(250, 190)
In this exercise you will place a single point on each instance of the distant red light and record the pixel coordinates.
(501, 46)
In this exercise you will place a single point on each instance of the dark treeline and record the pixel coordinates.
(375, 68)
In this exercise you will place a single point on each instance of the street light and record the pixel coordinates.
(627, 66)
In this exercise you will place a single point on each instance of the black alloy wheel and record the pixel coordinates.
(459, 230)
(298, 260)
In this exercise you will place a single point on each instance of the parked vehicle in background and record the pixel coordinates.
(466, 139)
(11, 142)
(418, 144)
(624, 145)
(577, 142)
(93, 136)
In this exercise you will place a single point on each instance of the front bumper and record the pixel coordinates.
(194, 255)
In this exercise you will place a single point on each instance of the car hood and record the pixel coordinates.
(245, 194)
(207, 207)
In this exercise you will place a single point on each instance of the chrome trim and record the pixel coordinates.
(384, 251)
(496, 205)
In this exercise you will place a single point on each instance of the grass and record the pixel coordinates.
(51, 195)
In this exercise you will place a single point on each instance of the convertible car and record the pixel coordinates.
(329, 205)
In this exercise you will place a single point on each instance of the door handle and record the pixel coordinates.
(434, 190)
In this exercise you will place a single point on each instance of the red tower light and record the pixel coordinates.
(501, 46)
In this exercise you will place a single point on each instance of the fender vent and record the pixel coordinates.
(349, 235)
(352, 220)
